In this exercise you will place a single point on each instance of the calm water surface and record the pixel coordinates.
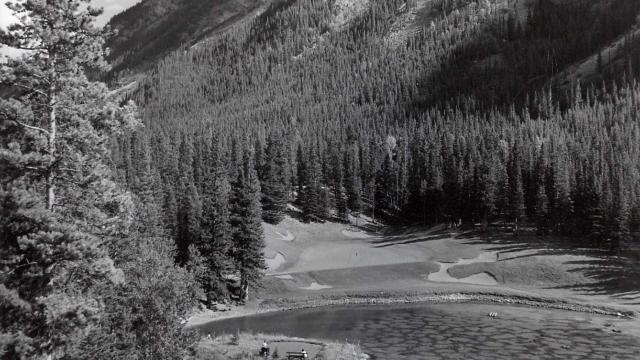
(447, 331)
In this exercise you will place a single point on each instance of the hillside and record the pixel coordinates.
(419, 112)
(254, 156)
(152, 28)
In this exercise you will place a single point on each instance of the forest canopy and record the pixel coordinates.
(468, 119)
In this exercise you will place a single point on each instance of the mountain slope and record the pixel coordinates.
(463, 119)
(151, 29)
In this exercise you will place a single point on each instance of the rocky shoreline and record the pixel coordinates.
(389, 298)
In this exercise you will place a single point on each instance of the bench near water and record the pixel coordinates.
(295, 355)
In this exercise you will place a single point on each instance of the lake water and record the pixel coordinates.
(446, 331)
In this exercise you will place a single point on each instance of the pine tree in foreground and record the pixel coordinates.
(59, 208)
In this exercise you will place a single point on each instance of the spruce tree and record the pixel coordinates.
(275, 181)
(189, 217)
(620, 218)
(216, 229)
(313, 195)
(516, 197)
(338, 189)
(487, 193)
(542, 208)
(189, 209)
(562, 208)
(541, 198)
(246, 215)
(353, 181)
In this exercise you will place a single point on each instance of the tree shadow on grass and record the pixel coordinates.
(618, 277)
(411, 235)
(407, 239)
(503, 240)
(608, 274)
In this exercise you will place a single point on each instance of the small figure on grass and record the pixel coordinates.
(264, 351)
(235, 338)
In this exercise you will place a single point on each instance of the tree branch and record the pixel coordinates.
(30, 127)
(23, 265)
(31, 89)
(28, 48)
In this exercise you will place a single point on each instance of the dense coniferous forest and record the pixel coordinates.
(149, 30)
(467, 120)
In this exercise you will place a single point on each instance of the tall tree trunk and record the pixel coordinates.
(51, 196)
(244, 286)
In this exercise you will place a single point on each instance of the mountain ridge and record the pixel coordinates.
(151, 29)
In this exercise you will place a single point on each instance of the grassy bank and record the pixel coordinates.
(489, 297)
(244, 346)
(402, 297)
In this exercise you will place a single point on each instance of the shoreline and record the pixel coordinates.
(390, 298)
(243, 343)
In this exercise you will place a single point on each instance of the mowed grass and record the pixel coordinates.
(546, 271)
(245, 346)
(336, 257)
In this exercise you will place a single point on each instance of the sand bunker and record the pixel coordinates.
(483, 278)
(285, 277)
(315, 286)
(288, 236)
(275, 262)
(356, 234)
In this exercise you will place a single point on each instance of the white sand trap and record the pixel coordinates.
(275, 262)
(285, 277)
(483, 278)
(315, 286)
(356, 234)
(288, 236)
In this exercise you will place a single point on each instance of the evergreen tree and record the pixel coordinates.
(189, 209)
(562, 203)
(275, 181)
(516, 197)
(542, 208)
(386, 200)
(148, 193)
(619, 231)
(487, 193)
(313, 195)
(59, 207)
(189, 217)
(142, 316)
(353, 183)
(216, 229)
(541, 199)
(338, 186)
(246, 215)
